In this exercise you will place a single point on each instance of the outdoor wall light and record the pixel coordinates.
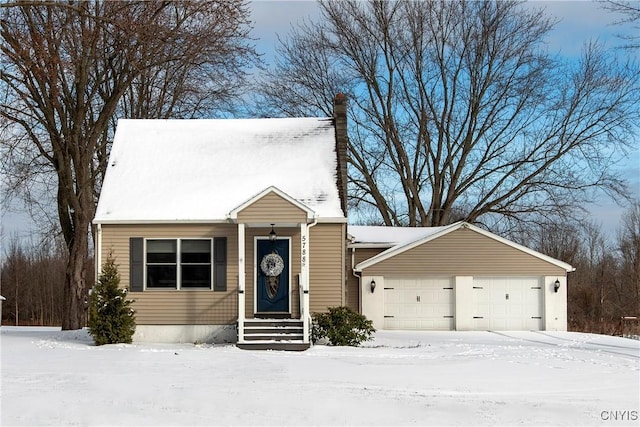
(272, 235)
(556, 286)
(373, 285)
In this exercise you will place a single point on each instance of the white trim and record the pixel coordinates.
(395, 250)
(134, 221)
(241, 282)
(331, 220)
(98, 253)
(233, 215)
(256, 267)
(204, 221)
(305, 252)
(370, 245)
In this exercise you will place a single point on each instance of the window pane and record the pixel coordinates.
(196, 251)
(196, 276)
(161, 276)
(161, 251)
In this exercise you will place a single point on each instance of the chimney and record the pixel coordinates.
(340, 120)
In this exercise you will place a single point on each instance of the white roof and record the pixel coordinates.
(366, 235)
(200, 170)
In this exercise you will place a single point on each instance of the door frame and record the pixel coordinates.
(256, 267)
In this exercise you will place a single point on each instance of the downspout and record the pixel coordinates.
(98, 252)
(357, 276)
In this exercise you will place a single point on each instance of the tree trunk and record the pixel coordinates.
(74, 313)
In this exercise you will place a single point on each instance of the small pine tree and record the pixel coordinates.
(111, 318)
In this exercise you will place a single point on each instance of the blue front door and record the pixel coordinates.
(272, 276)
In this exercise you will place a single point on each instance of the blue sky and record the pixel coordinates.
(579, 22)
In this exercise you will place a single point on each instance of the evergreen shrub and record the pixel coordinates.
(342, 326)
(111, 318)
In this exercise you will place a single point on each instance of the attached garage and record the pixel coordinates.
(457, 277)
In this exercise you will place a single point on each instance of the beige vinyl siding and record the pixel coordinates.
(353, 282)
(161, 307)
(250, 267)
(463, 252)
(269, 207)
(326, 266)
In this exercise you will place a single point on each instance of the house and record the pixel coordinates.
(236, 231)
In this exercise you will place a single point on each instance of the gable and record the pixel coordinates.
(199, 170)
(463, 251)
(272, 207)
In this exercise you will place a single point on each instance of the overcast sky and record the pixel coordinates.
(579, 22)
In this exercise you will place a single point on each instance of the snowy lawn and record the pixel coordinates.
(402, 378)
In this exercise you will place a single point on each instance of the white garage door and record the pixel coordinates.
(421, 303)
(508, 303)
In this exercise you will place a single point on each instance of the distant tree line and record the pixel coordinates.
(606, 284)
(32, 280)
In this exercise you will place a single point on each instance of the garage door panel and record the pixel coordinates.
(419, 304)
(508, 303)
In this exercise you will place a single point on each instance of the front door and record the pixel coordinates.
(272, 289)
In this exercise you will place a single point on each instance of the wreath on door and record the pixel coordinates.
(272, 265)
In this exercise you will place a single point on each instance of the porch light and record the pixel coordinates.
(373, 285)
(556, 286)
(272, 235)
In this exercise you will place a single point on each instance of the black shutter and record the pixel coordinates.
(220, 264)
(136, 264)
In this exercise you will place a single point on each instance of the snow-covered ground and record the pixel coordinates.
(51, 377)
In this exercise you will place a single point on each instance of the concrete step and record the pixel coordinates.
(273, 334)
(272, 323)
(274, 345)
(273, 330)
(273, 337)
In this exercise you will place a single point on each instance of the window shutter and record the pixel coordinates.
(136, 264)
(220, 264)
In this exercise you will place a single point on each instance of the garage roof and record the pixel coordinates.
(410, 237)
(382, 236)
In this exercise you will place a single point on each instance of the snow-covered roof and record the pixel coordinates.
(200, 170)
(366, 235)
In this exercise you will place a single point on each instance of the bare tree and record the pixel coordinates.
(630, 14)
(68, 68)
(32, 278)
(629, 246)
(457, 110)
